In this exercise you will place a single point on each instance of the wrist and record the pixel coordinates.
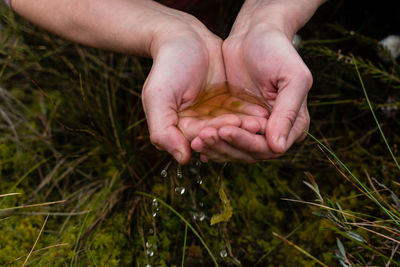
(182, 29)
(286, 16)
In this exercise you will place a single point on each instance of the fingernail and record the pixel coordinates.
(282, 142)
(177, 155)
(228, 138)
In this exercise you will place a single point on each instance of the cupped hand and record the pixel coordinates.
(186, 58)
(264, 63)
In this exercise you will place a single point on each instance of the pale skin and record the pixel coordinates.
(257, 56)
(260, 58)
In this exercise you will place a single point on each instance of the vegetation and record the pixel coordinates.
(81, 185)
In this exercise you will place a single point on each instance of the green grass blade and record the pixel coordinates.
(370, 195)
(77, 240)
(185, 221)
(23, 177)
(373, 113)
(184, 247)
(373, 250)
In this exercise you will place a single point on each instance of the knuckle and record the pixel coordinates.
(290, 116)
(308, 78)
(156, 140)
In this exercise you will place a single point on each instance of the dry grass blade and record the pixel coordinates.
(10, 194)
(38, 250)
(391, 256)
(300, 249)
(382, 235)
(33, 205)
(37, 239)
(391, 230)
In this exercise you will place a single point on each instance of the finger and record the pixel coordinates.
(198, 144)
(218, 150)
(233, 156)
(253, 124)
(291, 94)
(301, 125)
(191, 127)
(254, 144)
(204, 158)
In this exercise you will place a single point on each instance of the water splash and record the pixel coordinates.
(150, 252)
(198, 163)
(164, 171)
(179, 172)
(199, 216)
(180, 190)
(223, 253)
(155, 202)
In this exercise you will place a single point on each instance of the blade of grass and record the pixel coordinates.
(370, 195)
(24, 176)
(10, 194)
(373, 113)
(38, 250)
(33, 205)
(347, 213)
(77, 240)
(184, 246)
(37, 239)
(300, 249)
(367, 247)
(92, 258)
(185, 221)
(275, 246)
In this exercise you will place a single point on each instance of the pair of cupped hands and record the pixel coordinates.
(262, 115)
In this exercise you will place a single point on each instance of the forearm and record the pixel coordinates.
(127, 26)
(287, 16)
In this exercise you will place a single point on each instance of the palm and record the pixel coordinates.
(215, 107)
(181, 71)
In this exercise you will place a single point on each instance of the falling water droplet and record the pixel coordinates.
(180, 190)
(223, 253)
(150, 252)
(179, 172)
(201, 204)
(201, 216)
(154, 214)
(164, 172)
(155, 202)
(148, 244)
(199, 181)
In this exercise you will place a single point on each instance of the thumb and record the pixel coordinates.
(291, 94)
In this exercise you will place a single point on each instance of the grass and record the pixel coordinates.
(74, 149)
